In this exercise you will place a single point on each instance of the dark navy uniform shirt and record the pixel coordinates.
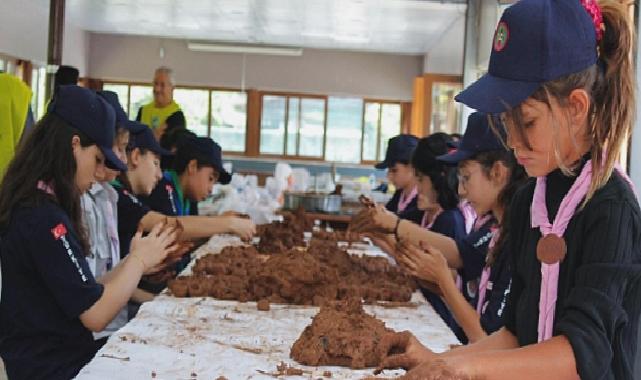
(599, 288)
(130, 212)
(450, 223)
(46, 286)
(411, 212)
(497, 293)
(473, 250)
(168, 198)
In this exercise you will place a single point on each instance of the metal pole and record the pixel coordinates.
(54, 48)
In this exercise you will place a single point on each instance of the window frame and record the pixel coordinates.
(256, 106)
(209, 90)
(300, 97)
(380, 102)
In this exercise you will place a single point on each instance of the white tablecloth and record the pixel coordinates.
(203, 338)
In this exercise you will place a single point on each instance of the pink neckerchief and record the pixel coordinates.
(46, 187)
(484, 284)
(429, 225)
(403, 200)
(469, 215)
(540, 219)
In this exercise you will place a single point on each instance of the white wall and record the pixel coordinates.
(373, 75)
(24, 29)
(75, 47)
(446, 55)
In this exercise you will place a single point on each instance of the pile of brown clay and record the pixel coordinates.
(280, 236)
(321, 273)
(346, 236)
(341, 334)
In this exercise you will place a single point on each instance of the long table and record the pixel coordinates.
(205, 338)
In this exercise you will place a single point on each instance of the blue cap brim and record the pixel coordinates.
(161, 151)
(495, 95)
(455, 157)
(111, 161)
(382, 165)
(223, 176)
(134, 126)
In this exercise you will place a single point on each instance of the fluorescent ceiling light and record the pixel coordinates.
(246, 49)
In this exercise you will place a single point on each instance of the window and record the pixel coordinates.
(138, 97)
(344, 129)
(229, 119)
(390, 126)
(195, 106)
(1, 64)
(272, 124)
(293, 126)
(311, 132)
(123, 95)
(381, 122)
(338, 129)
(38, 89)
(10, 67)
(446, 113)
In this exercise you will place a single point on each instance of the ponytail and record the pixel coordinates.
(613, 103)
(610, 85)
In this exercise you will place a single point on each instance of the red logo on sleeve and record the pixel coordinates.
(59, 231)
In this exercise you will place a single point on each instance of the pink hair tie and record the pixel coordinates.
(594, 11)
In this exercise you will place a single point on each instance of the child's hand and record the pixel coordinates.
(374, 219)
(244, 228)
(426, 263)
(153, 249)
(437, 370)
(402, 350)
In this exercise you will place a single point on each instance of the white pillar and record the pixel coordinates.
(480, 21)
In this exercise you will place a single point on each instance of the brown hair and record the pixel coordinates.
(610, 85)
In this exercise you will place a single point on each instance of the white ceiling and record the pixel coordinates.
(392, 26)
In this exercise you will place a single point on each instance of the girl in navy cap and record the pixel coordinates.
(50, 300)
(401, 175)
(141, 179)
(100, 213)
(438, 202)
(144, 154)
(561, 75)
(488, 178)
(196, 167)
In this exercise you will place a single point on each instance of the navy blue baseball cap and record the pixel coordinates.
(399, 148)
(85, 111)
(479, 137)
(536, 41)
(209, 151)
(145, 139)
(121, 117)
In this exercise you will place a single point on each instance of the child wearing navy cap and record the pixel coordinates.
(488, 178)
(561, 76)
(51, 302)
(140, 180)
(100, 213)
(401, 175)
(197, 166)
(438, 201)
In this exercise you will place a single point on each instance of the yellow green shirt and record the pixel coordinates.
(15, 97)
(153, 116)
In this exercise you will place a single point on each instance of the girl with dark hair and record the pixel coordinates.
(437, 187)
(50, 300)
